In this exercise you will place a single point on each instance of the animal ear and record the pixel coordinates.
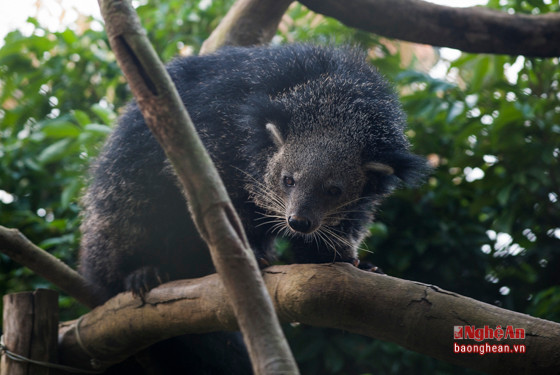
(372, 166)
(275, 134)
(409, 168)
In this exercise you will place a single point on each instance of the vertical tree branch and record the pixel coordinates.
(247, 23)
(210, 205)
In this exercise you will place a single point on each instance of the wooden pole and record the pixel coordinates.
(30, 330)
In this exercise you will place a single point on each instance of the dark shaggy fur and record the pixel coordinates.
(307, 140)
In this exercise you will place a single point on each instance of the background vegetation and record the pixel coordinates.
(486, 224)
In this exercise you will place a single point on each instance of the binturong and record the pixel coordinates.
(308, 141)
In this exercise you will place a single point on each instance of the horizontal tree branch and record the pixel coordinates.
(417, 316)
(474, 29)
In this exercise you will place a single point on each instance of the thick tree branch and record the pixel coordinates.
(247, 23)
(209, 202)
(21, 250)
(417, 316)
(476, 29)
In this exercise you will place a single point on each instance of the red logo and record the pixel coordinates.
(458, 332)
(487, 333)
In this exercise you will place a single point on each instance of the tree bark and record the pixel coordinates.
(30, 330)
(417, 316)
(15, 245)
(209, 202)
(247, 23)
(475, 29)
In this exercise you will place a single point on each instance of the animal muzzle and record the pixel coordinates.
(300, 224)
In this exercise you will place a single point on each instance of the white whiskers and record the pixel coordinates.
(327, 235)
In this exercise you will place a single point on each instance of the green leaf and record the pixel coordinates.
(60, 129)
(69, 36)
(105, 114)
(24, 45)
(503, 195)
(54, 152)
(480, 72)
(70, 192)
(48, 243)
(82, 117)
(31, 164)
(99, 129)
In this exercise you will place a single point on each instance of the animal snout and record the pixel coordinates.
(299, 223)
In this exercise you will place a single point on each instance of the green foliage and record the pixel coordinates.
(484, 225)
(57, 92)
(509, 134)
(179, 27)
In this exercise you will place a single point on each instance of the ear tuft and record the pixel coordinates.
(275, 134)
(373, 166)
(409, 168)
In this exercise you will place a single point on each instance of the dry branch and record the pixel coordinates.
(475, 29)
(209, 202)
(15, 245)
(417, 316)
(247, 23)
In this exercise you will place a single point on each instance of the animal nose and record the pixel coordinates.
(299, 224)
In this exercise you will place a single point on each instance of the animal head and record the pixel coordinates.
(315, 180)
(338, 148)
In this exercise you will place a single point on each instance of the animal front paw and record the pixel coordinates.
(144, 279)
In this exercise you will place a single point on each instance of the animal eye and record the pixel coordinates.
(289, 181)
(334, 191)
